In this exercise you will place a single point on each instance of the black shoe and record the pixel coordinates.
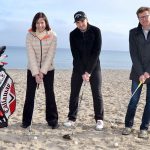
(24, 126)
(55, 126)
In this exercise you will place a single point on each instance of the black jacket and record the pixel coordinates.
(140, 53)
(85, 48)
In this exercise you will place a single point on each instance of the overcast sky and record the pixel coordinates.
(114, 17)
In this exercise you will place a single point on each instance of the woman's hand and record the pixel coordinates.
(38, 79)
(41, 75)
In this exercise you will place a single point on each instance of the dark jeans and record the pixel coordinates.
(129, 119)
(95, 82)
(51, 108)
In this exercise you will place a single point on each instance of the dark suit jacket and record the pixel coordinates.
(140, 53)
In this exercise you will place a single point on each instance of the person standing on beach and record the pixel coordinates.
(139, 41)
(41, 46)
(85, 43)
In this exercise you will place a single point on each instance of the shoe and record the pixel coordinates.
(55, 126)
(143, 134)
(99, 125)
(69, 123)
(24, 126)
(126, 131)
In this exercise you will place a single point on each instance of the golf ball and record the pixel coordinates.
(116, 144)
(35, 137)
(76, 142)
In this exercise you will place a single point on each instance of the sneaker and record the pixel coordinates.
(126, 131)
(99, 125)
(69, 123)
(143, 134)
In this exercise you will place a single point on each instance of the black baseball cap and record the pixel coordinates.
(80, 15)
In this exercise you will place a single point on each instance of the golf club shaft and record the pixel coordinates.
(83, 88)
(136, 89)
(81, 98)
(118, 114)
(82, 93)
(30, 128)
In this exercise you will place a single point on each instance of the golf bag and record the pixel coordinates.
(7, 94)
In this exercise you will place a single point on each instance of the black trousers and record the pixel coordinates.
(95, 82)
(51, 108)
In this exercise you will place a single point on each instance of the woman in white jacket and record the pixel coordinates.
(41, 46)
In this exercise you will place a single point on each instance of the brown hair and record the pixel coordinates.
(36, 18)
(142, 9)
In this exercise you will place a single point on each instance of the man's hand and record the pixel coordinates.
(142, 78)
(146, 75)
(86, 76)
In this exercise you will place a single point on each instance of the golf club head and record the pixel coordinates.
(67, 137)
(2, 50)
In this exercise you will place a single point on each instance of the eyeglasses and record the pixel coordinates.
(143, 17)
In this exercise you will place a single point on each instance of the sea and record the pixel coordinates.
(110, 59)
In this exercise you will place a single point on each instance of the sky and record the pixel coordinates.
(114, 17)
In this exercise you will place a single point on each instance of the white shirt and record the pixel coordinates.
(145, 31)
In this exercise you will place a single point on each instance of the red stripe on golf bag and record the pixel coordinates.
(7, 97)
(12, 104)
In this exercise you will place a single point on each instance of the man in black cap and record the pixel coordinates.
(85, 43)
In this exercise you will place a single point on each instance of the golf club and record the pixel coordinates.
(136, 89)
(30, 128)
(68, 136)
(118, 114)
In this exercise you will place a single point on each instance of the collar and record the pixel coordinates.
(44, 35)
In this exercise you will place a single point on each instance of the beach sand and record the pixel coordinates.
(116, 94)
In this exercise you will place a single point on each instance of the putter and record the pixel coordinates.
(30, 128)
(69, 136)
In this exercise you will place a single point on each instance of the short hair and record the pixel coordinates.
(36, 18)
(142, 9)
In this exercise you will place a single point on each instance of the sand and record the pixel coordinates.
(116, 94)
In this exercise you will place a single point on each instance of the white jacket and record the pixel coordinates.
(41, 52)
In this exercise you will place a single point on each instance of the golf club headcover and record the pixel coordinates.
(2, 50)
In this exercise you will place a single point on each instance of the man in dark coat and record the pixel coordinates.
(85, 43)
(139, 42)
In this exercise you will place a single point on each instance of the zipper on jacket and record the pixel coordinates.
(83, 40)
(41, 54)
(41, 49)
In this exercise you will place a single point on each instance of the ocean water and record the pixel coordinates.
(17, 59)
